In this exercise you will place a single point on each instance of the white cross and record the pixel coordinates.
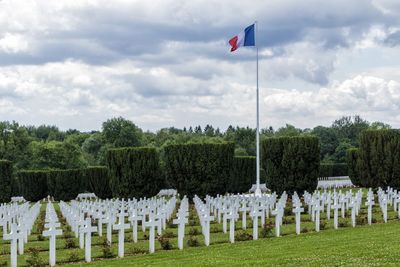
(206, 228)
(180, 221)
(13, 236)
(297, 211)
(121, 226)
(87, 230)
(134, 218)
(151, 223)
(52, 232)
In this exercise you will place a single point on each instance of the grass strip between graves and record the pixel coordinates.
(376, 245)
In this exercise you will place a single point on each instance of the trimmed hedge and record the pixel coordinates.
(291, 163)
(379, 158)
(65, 184)
(134, 172)
(352, 158)
(199, 168)
(243, 174)
(96, 181)
(6, 172)
(32, 184)
(333, 169)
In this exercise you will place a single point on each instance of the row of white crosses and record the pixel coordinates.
(81, 226)
(52, 223)
(182, 219)
(152, 213)
(327, 201)
(17, 221)
(228, 208)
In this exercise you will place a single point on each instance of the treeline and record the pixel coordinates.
(47, 147)
(291, 164)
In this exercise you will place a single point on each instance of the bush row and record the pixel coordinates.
(34, 185)
(134, 172)
(333, 169)
(6, 171)
(291, 163)
(199, 168)
(377, 161)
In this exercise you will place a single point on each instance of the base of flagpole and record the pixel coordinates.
(257, 192)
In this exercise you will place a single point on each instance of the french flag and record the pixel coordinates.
(244, 38)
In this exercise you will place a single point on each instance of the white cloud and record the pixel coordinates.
(166, 63)
(373, 98)
(13, 43)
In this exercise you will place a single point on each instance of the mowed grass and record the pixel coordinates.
(363, 245)
(376, 245)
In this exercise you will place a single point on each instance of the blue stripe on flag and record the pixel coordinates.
(249, 39)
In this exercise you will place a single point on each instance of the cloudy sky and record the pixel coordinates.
(167, 63)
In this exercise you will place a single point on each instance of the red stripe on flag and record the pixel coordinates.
(233, 43)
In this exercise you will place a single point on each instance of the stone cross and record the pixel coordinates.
(100, 218)
(109, 220)
(134, 218)
(384, 208)
(255, 213)
(52, 232)
(318, 209)
(180, 221)
(353, 206)
(224, 221)
(232, 216)
(21, 239)
(244, 209)
(121, 226)
(277, 215)
(297, 211)
(151, 223)
(335, 208)
(13, 236)
(328, 207)
(81, 224)
(206, 231)
(87, 230)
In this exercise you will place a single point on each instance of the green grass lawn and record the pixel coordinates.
(376, 245)
(364, 245)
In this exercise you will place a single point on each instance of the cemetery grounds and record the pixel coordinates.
(363, 245)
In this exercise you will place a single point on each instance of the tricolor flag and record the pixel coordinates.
(244, 38)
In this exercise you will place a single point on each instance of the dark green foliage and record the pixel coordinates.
(291, 163)
(70, 243)
(97, 181)
(134, 172)
(352, 158)
(379, 158)
(65, 184)
(242, 235)
(322, 224)
(193, 242)
(165, 243)
(333, 169)
(33, 184)
(34, 259)
(193, 231)
(6, 172)
(73, 256)
(243, 174)
(199, 168)
(267, 230)
(122, 133)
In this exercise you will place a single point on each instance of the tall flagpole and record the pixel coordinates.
(258, 189)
